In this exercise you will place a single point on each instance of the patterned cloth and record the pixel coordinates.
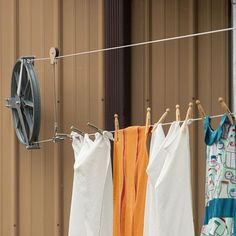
(220, 195)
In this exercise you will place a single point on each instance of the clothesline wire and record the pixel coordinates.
(137, 44)
(163, 124)
(182, 121)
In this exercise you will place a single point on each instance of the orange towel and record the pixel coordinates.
(130, 163)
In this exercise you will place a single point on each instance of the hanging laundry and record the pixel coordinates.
(173, 186)
(155, 164)
(130, 163)
(220, 195)
(91, 207)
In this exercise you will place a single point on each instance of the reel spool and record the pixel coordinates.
(25, 102)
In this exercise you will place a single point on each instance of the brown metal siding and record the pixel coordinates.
(83, 85)
(35, 186)
(117, 63)
(8, 147)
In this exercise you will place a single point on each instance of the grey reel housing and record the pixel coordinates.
(25, 102)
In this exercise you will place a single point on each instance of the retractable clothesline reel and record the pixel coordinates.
(25, 101)
(25, 96)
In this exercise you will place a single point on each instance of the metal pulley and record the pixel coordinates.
(25, 102)
(53, 53)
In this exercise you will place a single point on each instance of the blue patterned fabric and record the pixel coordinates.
(220, 193)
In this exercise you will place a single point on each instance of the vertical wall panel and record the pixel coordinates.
(35, 183)
(96, 85)
(82, 72)
(69, 84)
(117, 63)
(172, 54)
(158, 57)
(139, 59)
(8, 161)
(219, 53)
(1, 125)
(8, 171)
(83, 86)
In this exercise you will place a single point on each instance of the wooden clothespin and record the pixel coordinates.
(226, 109)
(53, 53)
(200, 109)
(73, 128)
(117, 127)
(189, 111)
(161, 119)
(148, 120)
(177, 112)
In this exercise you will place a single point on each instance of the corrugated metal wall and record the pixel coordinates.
(35, 186)
(178, 72)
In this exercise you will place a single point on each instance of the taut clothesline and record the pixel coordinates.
(129, 46)
(163, 124)
(136, 44)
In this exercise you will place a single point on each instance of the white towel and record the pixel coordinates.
(173, 189)
(91, 207)
(155, 165)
